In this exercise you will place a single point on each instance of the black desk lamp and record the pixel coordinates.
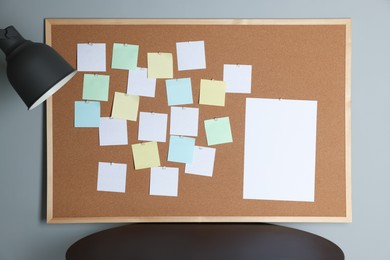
(35, 70)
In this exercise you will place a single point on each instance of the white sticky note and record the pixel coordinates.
(91, 57)
(191, 55)
(238, 78)
(111, 177)
(139, 84)
(112, 131)
(280, 149)
(184, 121)
(202, 161)
(164, 181)
(152, 127)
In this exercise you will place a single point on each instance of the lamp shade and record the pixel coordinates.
(35, 70)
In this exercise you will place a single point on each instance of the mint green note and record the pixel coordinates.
(96, 87)
(218, 131)
(124, 56)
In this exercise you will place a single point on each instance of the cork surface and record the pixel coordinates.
(306, 62)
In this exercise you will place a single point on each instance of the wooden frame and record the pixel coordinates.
(51, 24)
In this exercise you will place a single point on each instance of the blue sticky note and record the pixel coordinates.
(86, 114)
(181, 149)
(179, 91)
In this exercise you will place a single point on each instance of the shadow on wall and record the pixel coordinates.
(8, 96)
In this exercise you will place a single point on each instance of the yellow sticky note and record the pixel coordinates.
(125, 106)
(212, 92)
(160, 65)
(145, 155)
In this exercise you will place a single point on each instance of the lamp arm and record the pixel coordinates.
(2, 34)
(10, 39)
(8, 33)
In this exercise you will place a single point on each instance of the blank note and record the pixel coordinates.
(164, 181)
(112, 131)
(152, 127)
(184, 121)
(238, 78)
(91, 57)
(202, 161)
(111, 177)
(139, 84)
(280, 149)
(191, 55)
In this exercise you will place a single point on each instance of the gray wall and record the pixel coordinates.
(23, 232)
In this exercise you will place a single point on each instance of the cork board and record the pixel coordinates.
(291, 59)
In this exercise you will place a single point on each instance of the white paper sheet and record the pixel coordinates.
(191, 55)
(152, 127)
(113, 131)
(139, 84)
(280, 149)
(164, 181)
(111, 177)
(91, 57)
(238, 78)
(184, 121)
(202, 161)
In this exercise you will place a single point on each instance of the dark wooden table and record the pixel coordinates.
(204, 241)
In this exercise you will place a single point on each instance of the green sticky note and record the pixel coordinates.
(218, 131)
(160, 65)
(212, 92)
(124, 56)
(145, 155)
(125, 106)
(95, 87)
